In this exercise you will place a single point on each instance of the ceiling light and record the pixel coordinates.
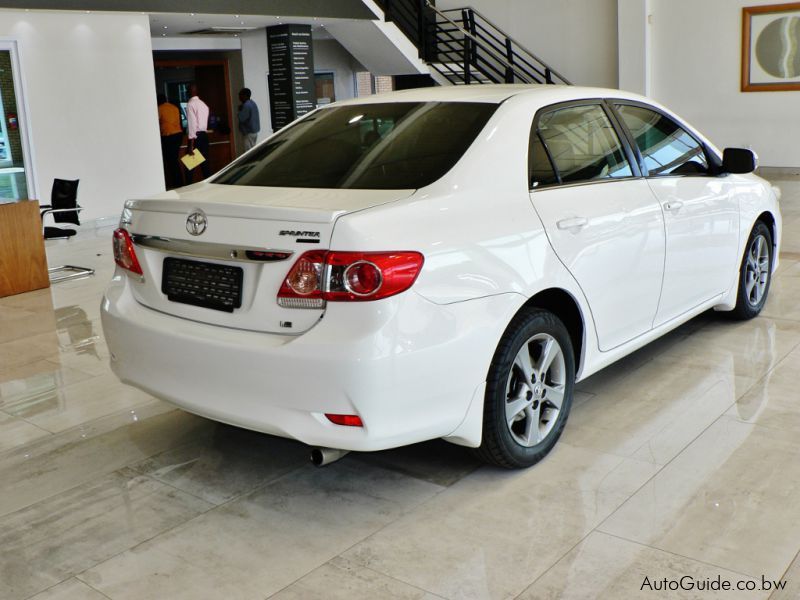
(166, 26)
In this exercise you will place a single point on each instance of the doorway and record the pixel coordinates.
(173, 78)
(16, 182)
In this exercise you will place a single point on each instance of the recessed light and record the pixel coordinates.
(191, 14)
(163, 35)
(237, 16)
(241, 22)
(166, 26)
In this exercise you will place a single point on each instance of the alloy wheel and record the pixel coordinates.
(757, 270)
(535, 390)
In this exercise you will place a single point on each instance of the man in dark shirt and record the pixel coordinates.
(169, 122)
(249, 124)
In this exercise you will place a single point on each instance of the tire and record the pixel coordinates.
(516, 439)
(755, 273)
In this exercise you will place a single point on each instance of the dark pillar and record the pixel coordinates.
(291, 73)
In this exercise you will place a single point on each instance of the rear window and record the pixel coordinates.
(402, 145)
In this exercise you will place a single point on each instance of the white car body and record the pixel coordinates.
(414, 366)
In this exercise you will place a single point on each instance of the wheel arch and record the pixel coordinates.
(564, 306)
(768, 219)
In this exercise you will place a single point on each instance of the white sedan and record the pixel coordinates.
(435, 263)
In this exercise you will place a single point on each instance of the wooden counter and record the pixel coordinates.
(23, 263)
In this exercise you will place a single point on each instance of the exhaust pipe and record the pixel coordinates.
(325, 456)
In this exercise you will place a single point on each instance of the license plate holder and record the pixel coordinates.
(208, 285)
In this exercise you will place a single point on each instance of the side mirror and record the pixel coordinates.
(739, 160)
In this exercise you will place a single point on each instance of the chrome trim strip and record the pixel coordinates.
(197, 249)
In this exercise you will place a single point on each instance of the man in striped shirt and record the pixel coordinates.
(197, 128)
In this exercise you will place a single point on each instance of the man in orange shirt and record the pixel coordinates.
(169, 121)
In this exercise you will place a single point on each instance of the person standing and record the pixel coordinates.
(197, 113)
(169, 122)
(249, 123)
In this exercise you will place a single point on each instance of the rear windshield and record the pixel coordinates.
(402, 145)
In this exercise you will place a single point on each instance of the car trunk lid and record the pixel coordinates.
(218, 254)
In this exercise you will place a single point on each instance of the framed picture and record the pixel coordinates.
(771, 48)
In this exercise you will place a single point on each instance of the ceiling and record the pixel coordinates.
(178, 24)
(341, 9)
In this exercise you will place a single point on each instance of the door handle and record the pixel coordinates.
(673, 205)
(573, 223)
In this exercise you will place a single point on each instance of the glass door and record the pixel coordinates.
(15, 180)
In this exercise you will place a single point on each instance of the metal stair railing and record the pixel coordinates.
(466, 47)
(489, 50)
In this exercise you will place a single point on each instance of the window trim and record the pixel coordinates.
(714, 162)
(622, 138)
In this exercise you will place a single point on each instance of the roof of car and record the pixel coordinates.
(491, 93)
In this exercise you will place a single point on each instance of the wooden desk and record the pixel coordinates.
(23, 263)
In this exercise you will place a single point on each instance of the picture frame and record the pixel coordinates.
(771, 48)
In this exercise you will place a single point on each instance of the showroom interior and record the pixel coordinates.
(677, 471)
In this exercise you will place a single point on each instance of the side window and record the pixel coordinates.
(583, 144)
(539, 165)
(666, 148)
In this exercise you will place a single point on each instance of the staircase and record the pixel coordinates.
(462, 46)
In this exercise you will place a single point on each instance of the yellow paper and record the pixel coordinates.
(190, 161)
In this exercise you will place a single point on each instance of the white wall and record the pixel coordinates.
(89, 88)
(696, 72)
(330, 56)
(578, 38)
(255, 65)
(635, 46)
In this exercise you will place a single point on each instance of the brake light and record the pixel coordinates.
(124, 254)
(320, 275)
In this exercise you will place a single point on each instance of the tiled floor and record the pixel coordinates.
(681, 460)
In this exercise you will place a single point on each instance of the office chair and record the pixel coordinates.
(64, 208)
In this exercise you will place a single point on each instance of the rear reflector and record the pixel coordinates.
(346, 420)
(124, 254)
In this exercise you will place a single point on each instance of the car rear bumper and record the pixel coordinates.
(406, 366)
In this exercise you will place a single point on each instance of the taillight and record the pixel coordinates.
(124, 254)
(320, 275)
(302, 287)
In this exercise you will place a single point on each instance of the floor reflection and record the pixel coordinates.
(76, 331)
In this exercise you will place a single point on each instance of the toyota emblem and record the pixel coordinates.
(196, 222)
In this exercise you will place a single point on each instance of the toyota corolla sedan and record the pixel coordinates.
(435, 263)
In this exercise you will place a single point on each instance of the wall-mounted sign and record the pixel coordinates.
(291, 73)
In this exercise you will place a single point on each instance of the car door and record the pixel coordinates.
(701, 213)
(600, 217)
